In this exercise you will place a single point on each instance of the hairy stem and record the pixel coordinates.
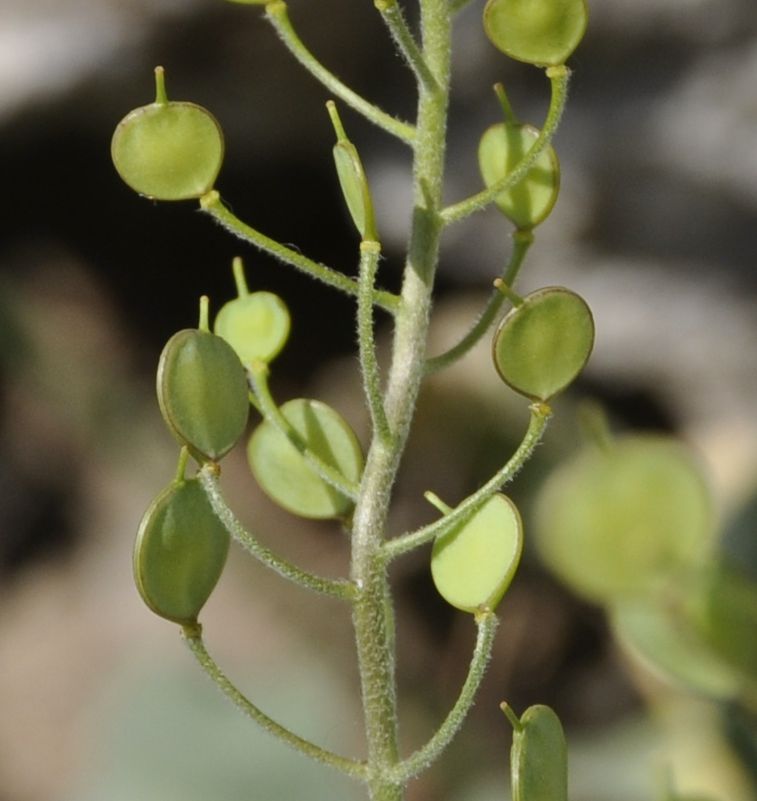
(370, 253)
(558, 78)
(213, 205)
(372, 617)
(279, 16)
(522, 241)
(540, 414)
(258, 374)
(403, 37)
(193, 638)
(487, 626)
(339, 588)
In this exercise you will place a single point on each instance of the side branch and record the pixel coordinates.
(540, 414)
(258, 372)
(342, 589)
(370, 253)
(487, 623)
(522, 241)
(278, 15)
(214, 206)
(350, 767)
(395, 21)
(558, 77)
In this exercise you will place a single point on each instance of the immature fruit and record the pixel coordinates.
(284, 473)
(354, 186)
(541, 32)
(666, 639)
(202, 392)
(473, 564)
(256, 325)
(530, 201)
(729, 618)
(180, 552)
(616, 523)
(539, 758)
(543, 343)
(168, 150)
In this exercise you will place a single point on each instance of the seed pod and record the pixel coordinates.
(617, 522)
(202, 392)
(352, 179)
(540, 32)
(729, 618)
(256, 325)
(473, 564)
(529, 202)
(544, 342)
(168, 150)
(284, 473)
(180, 552)
(539, 757)
(665, 638)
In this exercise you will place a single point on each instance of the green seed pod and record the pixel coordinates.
(284, 473)
(540, 32)
(168, 150)
(539, 757)
(255, 325)
(529, 202)
(665, 639)
(614, 523)
(352, 179)
(544, 342)
(180, 552)
(473, 564)
(202, 392)
(729, 618)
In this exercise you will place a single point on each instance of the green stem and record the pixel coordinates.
(540, 414)
(372, 617)
(403, 37)
(344, 590)
(277, 13)
(487, 626)
(351, 767)
(370, 253)
(558, 77)
(258, 372)
(213, 205)
(522, 241)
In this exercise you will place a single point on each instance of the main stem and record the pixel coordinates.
(372, 616)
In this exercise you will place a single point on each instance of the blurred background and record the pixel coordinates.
(656, 227)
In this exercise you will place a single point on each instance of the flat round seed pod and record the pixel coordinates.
(540, 32)
(168, 151)
(180, 552)
(473, 564)
(539, 757)
(255, 325)
(666, 641)
(529, 202)
(543, 344)
(729, 619)
(615, 523)
(284, 473)
(202, 392)
(354, 186)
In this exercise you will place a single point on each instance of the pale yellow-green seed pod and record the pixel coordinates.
(540, 32)
(168, 150)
